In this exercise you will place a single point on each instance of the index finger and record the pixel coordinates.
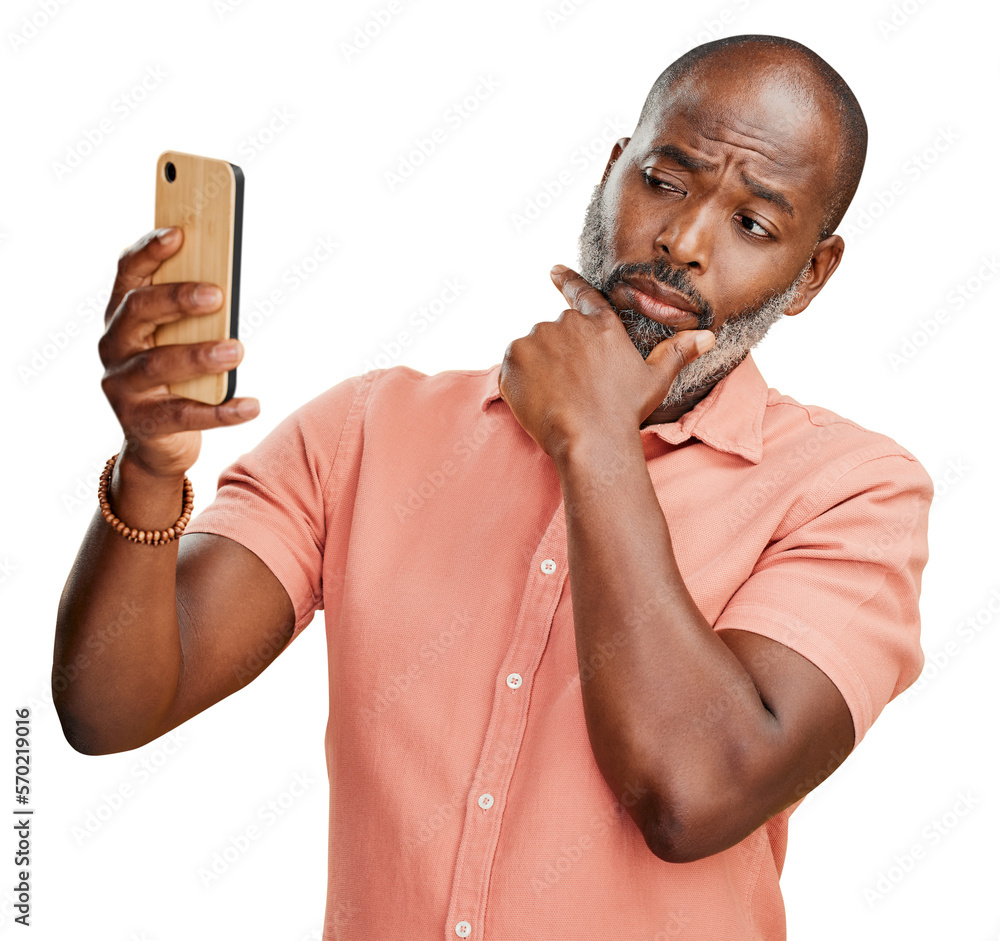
(580, 293)
(137, 263)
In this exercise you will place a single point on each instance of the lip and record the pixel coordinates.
(658, 303)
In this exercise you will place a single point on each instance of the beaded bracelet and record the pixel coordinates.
(157, 537)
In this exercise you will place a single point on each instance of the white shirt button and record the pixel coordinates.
(513, 680)
(548, 566)
(463, 929)
(486, 801)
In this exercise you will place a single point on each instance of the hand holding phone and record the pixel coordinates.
(162, 430)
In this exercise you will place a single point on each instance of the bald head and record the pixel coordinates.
(804, 77)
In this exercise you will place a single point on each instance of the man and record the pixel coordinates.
(597, 621)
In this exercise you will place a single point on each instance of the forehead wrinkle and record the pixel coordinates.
(790, 169)
(733, 129)
(779, 105)
(762, 188)
(747, 143)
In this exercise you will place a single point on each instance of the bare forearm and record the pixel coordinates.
(667, 703)
(117, 656)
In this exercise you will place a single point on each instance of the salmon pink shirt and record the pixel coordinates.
(465, 801)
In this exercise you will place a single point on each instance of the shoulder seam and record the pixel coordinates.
(362, 395)
(821, 498)
(841, 420)
(412, 371)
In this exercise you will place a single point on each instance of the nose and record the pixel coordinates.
(686, 235)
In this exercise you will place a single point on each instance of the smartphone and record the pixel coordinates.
(203, 196)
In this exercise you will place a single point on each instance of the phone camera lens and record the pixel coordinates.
(170, 171)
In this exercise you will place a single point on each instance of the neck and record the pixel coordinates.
(660, 416)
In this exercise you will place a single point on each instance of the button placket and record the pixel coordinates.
(505, 730)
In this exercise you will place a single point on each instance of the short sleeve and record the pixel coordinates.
(842, 587)
(272, 500)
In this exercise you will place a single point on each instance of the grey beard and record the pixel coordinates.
(733, 340)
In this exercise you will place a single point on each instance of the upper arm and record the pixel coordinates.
(250, 565)
(812, 731)
(841, 587)
(234, 616)
(827, 626)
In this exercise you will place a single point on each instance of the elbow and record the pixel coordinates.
(85, 747)
(669, 836)
(666, 817)
(677, 830)
(80, 738)
(76, 732)
(84, 738)
(676, 847)
(85, 743)
(704, 809)
(80, 742)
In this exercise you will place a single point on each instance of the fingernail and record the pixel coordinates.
(704, 341)
(559, 269)
(226, 352)
(207, 294)
(248, 408)
(163, 235)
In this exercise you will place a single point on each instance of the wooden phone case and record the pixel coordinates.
(205, 198)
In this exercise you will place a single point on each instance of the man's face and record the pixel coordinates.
(709, 217)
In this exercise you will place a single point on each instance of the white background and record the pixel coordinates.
(216, 75)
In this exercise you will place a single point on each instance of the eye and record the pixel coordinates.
(752, 226)
(661, 184)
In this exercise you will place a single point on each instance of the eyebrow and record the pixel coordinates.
(758, 189)
(762, 192)
(681, 158)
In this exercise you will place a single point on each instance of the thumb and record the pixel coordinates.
(670, 356)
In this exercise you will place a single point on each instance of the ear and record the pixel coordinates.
(616, 152)
(826, 257)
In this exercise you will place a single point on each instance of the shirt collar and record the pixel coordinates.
(729, 419)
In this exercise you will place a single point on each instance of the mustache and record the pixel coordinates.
(674, 278)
